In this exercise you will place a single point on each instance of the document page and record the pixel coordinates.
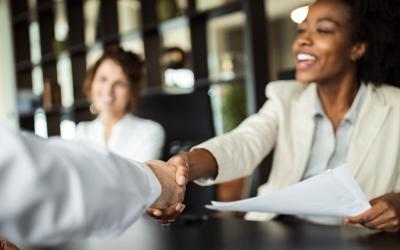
(332, 193)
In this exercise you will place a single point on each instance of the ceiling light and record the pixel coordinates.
(298, 15)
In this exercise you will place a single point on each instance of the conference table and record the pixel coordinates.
(208, 233)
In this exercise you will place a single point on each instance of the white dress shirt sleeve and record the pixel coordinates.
(53, 190)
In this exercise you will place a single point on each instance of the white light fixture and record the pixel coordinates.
(298, 15)
(181, 78)
(40, 123)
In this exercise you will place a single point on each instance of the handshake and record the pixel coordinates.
(173, 177)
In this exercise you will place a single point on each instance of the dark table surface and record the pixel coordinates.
(234, 233)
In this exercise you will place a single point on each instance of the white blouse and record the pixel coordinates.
(132, 137)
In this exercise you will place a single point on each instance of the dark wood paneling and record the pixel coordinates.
(53, 123)
(21, 37)
(46, 27)
(198, 37)
(19, 7)
(152, 42)
(76, 22)
(109, 22)
(256, 52)
(24, 79)
(152, 53)
(76, 38)
(149, 12)
(27, 123)
(78, 63)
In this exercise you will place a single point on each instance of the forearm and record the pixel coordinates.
(201, 164)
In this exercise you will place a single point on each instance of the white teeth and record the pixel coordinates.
(305, 57)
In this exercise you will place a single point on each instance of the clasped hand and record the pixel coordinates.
(173, 177)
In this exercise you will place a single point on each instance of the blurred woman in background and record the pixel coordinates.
(114, 87)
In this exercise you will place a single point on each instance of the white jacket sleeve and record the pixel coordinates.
(53, 190)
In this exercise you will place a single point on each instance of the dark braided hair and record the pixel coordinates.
(131, 65)
(377, 22)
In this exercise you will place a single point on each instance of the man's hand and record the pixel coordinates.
(383, 215)
(171, 192)
(6, 245)
(180, 167)
(173, 180)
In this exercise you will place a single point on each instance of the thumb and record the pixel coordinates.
(181, 165)
(181, 175)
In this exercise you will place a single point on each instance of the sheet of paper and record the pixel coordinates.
(333, 193)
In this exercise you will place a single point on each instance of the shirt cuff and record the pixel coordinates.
(154, 185)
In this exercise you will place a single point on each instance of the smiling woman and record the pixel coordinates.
(114, 85)
(326, 54)
(338, 111)
(323, 49)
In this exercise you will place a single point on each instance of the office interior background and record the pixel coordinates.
(207, 63)
(47, 45)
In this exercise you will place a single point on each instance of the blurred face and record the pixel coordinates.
(323, 49)
(110, 90)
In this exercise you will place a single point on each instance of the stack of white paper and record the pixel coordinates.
(333, 193)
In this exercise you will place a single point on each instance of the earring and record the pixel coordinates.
(93, 110)
(355, 58)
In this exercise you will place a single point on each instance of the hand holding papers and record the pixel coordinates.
(333, 193)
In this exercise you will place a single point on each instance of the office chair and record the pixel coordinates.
(187, 121)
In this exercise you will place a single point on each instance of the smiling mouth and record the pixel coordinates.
(305, 57)
(304, 61)
(106, 100)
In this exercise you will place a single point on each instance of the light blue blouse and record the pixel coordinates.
(329, 150)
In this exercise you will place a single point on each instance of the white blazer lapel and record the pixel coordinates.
(303, 129)
(370, 120)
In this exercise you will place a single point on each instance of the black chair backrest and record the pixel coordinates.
(186, 118)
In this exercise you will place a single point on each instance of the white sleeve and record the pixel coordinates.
(53, 190)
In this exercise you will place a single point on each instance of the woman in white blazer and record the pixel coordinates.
(113, 85)
(337, 111)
